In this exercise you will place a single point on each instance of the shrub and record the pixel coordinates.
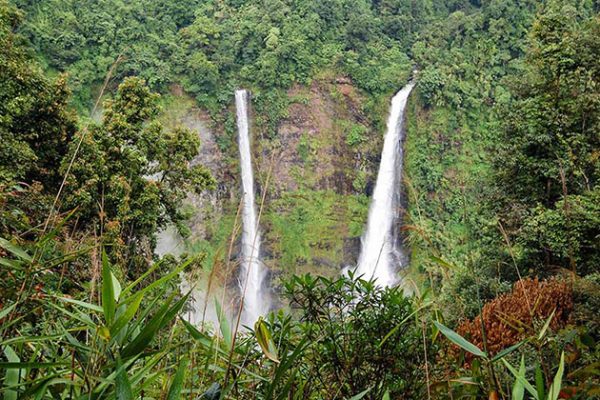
(513, 316)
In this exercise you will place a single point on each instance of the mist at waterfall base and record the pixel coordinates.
(255, 297)
(380, 256)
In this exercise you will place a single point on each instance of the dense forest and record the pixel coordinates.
(125, 199)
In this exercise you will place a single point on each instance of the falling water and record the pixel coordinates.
(255, 297)
(379, 253)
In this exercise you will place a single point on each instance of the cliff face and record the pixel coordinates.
(318, 168)
(315, 174)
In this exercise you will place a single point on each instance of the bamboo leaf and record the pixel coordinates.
(116, 286)
(539, 381)
(459, 340)
(83, 304)
(178, 379)
(127, 315)
(508, 350)
(361, 394)
(224, 326)
(123, 387)
(11, 378)
(518, 391)
(521, 379)
(6, 310)
(108, 291)
(15, 250)
(265, 341)
(546, 325)
(147, 333)
(556, 384)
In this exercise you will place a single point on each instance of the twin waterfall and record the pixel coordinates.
(256, 299)
(379, 254)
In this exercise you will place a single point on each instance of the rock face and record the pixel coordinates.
(320, 164)
(319, 167)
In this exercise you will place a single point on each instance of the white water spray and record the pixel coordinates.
(256, 299)
(379, 253)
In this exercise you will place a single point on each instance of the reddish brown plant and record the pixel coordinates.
(514, 316)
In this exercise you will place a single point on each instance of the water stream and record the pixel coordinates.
(256, 298)
(380, 256)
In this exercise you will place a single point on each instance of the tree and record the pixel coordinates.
(548, 156)
(130, 175)
(35, 123)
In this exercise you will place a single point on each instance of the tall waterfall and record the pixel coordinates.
(256, 299)
(379, 253)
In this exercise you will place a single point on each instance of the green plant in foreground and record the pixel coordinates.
(98, 351)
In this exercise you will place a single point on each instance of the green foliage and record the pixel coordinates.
(548, 165)
(346, 321)
(130, 175)
(305, 226)
(88, 350)
(35, 123)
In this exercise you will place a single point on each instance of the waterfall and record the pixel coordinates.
(379, 253)
(255, 297)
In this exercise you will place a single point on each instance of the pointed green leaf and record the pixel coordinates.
(177, 384)
(15, 250)
(224, 325)
(361, 394)
(539, 381)
(518, 391)
(11, 378)
(459, 340)
(123, 387)
(521, 379)
(508, 350)
(128, 315)
(556, 384)
(108, 291)
(546, 325)
(263, 337)
(116, 286)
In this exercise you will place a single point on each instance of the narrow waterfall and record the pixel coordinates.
(379, 254)
(256, 299)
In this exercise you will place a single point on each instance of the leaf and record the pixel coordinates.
(178, 380)
(127, 315)
(15, 250)
(521, 379)
(518, 391)
(162, 317)
(508, 350)
(361, 394)
(116, 286)
(546, 325)
(386, 395)
(108, 291)
(459, 340)
(539, 381)
(556, 384)
(6, 310)
(224, 325)
(147, 333)
(443, 263)
(265, 341)
(194, 333)
(83, 304)
(123, 386)
(11, 379)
